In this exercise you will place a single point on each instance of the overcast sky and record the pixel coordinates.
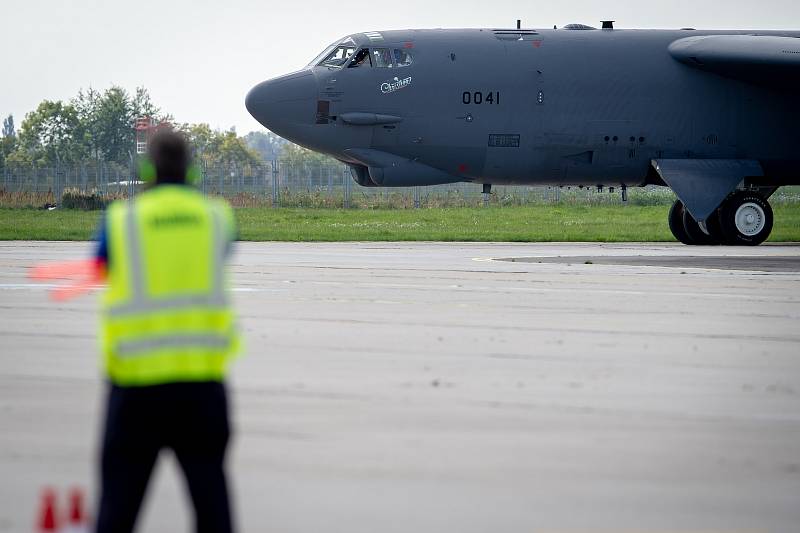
(198, 58)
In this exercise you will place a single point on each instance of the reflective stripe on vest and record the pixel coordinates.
(133, 347)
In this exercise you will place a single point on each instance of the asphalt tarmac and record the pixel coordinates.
(431, 387)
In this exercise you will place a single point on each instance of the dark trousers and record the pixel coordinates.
(189, 418)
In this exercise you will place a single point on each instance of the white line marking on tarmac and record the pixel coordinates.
(49, 286)
(22, 286)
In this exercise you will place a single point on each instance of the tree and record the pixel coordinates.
(297, 155)
(143, 106)
(108, 120)
(267, 145)
(101, 125)
(8, 143)
(214, 147)
(114, 118)
(51, 133)
(86, 104)
(302, 162)
(200, 137)
(233, 150)
(8, 127)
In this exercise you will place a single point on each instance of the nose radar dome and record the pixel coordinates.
(252, 99)
(284, 100)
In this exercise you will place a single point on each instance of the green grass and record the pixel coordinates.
(528, 223)
(43, 225)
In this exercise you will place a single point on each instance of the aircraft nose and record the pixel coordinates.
(285, 100)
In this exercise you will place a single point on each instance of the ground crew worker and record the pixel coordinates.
(168, 333)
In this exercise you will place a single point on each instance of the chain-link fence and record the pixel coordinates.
(296, 184)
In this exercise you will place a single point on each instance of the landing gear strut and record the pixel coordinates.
(487, 194)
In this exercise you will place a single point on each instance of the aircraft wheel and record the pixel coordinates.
(746, 218)
(694, 232)
(676, 222)
(714, 227)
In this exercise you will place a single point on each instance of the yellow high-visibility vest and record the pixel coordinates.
(166, 315)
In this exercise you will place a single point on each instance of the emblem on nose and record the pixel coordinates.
(395, 84)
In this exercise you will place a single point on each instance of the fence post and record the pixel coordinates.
(55, 180)
(130, 173)
(347, 185)
(266, 172)
(416, 197)
(275, 198)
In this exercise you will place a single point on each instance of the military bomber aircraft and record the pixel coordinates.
(714, 115)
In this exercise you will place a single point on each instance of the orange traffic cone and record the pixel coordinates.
(77, 522)
(48, 515)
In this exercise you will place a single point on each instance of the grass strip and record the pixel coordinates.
(560, 223)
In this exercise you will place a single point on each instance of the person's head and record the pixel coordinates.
(169, 153)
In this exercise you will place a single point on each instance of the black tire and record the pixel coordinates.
(746, 219)
(714, 227)
(676, 222)
(694, 232)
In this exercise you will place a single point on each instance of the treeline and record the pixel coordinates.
(99, 126)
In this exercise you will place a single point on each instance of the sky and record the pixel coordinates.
(199, 58)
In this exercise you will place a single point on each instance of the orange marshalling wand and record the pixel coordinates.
(81, 276)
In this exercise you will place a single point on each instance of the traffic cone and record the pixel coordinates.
(77, 521)
(48, 514)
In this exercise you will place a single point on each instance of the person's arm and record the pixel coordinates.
(101, 249)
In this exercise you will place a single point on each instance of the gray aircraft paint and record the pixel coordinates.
(576, 107)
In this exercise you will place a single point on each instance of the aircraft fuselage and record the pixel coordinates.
(560, 107)
(543, 107)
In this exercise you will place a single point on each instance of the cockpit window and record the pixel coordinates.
(336, 54)
(339, 55)
(314, 62)
(381, 57)
(345, 52)
(378, 57)
(361, 59)
(401, 58)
